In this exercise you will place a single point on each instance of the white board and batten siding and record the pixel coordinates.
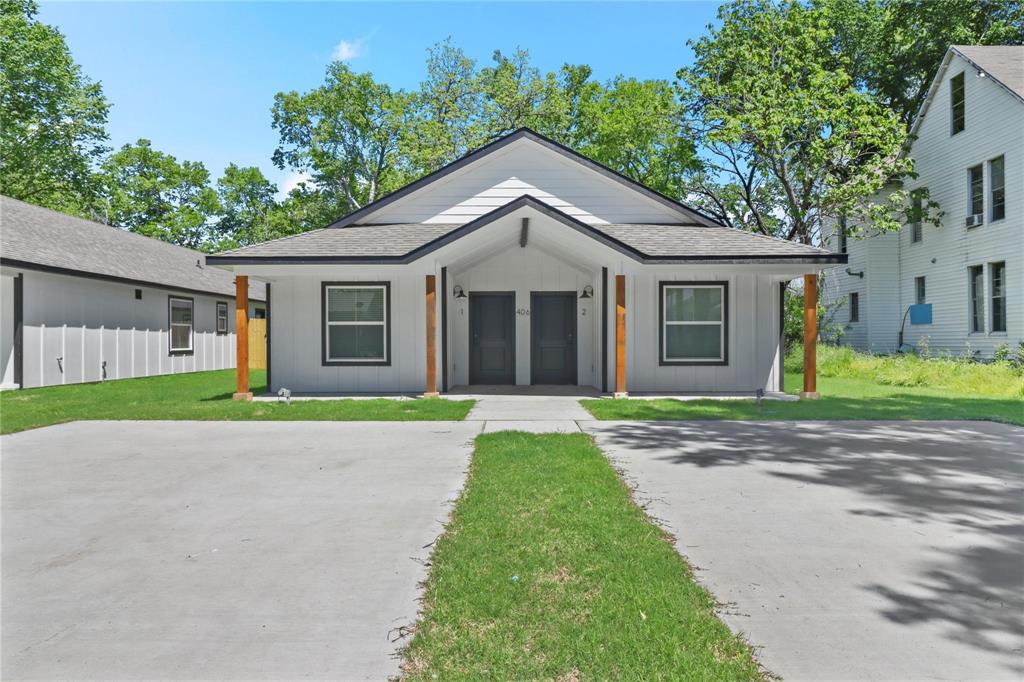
(752, 333)
(78, 330)
(994, 127)
(525, 271)
(524, 168)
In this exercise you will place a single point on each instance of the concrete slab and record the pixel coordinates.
(526, 408)
(545, 426)
(847, 550)
(205, 550)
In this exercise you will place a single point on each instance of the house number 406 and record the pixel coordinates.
(522, 311)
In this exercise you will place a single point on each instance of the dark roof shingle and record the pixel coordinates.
(32, 235)
(1005, 63)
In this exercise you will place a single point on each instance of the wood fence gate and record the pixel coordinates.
(257, 343)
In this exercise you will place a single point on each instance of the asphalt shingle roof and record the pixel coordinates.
(394, 242)
(1005, 63)
(38, 236)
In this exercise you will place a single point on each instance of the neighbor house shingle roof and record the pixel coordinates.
(1005, 63)
(31, 236)
(402, 243)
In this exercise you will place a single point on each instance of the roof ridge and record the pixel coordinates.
(116, 228)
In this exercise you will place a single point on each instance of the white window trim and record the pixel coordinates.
(386, 317)
(171, 324)
(722, 358)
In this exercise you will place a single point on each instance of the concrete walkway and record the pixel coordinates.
(534, 413)
(847, 550)
(220, 550)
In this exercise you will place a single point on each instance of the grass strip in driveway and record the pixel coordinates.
(841, 398)
(201, 396)
(548, 570)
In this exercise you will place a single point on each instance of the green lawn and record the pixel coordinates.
(204, 396)
(548, 570)
(840, 399)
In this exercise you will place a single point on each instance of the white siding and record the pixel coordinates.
(752, 336)
(81, 330)
(296, 334)
(524, 167)
(525, 270)
(994, 127)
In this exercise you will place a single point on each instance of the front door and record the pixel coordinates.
(492, 338)
(553, 337)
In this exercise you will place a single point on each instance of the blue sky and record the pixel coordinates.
(198, 79)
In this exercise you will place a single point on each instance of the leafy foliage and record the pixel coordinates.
(894, 47)
(791, 140)
(151, 193)
(52, 117)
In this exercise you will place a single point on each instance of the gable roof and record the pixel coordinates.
(1004, 64)
(685, 211)
(398, 244)
(38, 238)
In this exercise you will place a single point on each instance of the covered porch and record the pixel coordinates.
(528, 300)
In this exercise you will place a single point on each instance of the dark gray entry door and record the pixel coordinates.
(553, 337)
(492, 338)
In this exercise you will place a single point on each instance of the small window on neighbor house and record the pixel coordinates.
(179, 311)
(997, 184)
(842, 234)
(693, 323)
(976, 283)
(222, 317)
(854, 307)
(956, 103)
(259, 314)
(916, 214)
(976, 196)
(997, 277)
(138, 294)
(356, 323)
(919, 291)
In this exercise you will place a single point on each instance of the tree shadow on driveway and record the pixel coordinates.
(967, 476)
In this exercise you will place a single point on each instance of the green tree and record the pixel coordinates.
(247, 200)
(52, 117)
(150, 192)
(790, 140)
(346, 135)
(894, 47)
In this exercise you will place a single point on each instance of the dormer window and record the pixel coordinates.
(956, 103)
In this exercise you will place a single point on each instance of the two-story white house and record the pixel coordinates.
(968, 150)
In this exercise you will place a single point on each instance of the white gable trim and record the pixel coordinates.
(365, 214)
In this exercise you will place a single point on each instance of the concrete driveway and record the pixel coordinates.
(847, 550)
(219, 550)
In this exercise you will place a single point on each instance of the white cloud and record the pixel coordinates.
(348, 50)
(293, 180)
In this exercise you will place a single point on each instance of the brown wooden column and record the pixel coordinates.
(242, 338)
(810, 338)
(620, 336)
(431, 391)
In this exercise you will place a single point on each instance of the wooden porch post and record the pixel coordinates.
(810, 391)
(242, 338)
(620, 336)
(431, 391)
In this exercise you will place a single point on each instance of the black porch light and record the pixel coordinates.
(588, 292)
(458, 292)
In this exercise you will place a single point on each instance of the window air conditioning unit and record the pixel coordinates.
(974, 220)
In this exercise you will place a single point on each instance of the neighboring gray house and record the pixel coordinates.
(81, 301)
(525, 263)
(969, 153)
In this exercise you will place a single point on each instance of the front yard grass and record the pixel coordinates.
(548, 570)
(860, 386)
(200, 396)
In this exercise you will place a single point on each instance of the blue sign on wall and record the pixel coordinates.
(921, 313)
